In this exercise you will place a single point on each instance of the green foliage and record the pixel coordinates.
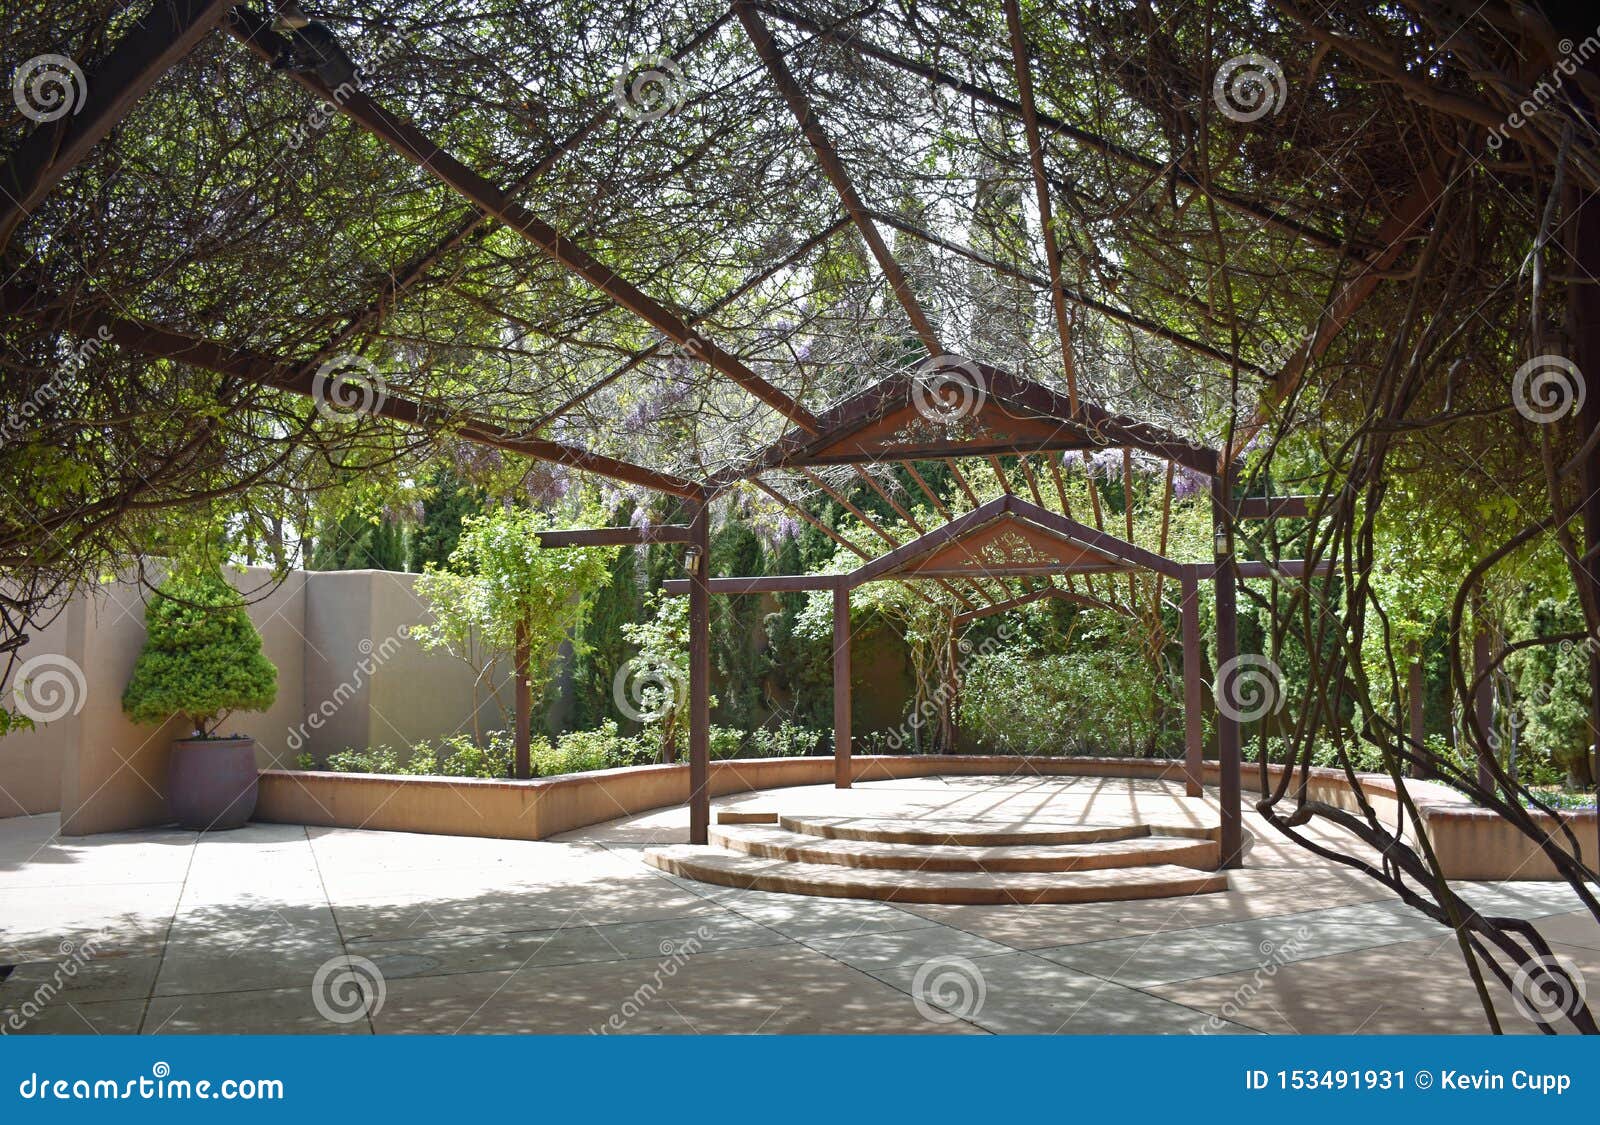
(1553, 688)
(603, 646)
(603, 748)
(738, 662)
(356, 542)
(499, 582)
(1090, 701)
(202, 656)
(448, 501)
(660, 682)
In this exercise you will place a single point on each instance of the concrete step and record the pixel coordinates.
(977, 833)
(734, 869)
(1138, 851)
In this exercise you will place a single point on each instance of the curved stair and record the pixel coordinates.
(958, 862)
(1136, 851)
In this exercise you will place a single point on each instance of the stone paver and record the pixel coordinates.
(164, 932)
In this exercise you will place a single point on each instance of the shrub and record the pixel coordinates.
(1095, 701)
(202, 657)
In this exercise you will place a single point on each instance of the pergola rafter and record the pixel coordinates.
(153, 342)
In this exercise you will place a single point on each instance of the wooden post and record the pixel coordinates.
(841, 686)
(523, 696)
(1227, 650)
(699, 555)
(1414, 690)
(1193, 717)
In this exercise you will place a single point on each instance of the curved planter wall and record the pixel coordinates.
(1472, 843)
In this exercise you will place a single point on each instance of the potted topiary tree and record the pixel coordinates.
(202, 659)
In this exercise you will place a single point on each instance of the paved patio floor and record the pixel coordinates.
(278, 928)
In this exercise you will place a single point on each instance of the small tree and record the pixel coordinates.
(202, 656)
(514, 599)
(661, 671)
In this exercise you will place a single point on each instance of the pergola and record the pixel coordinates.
(990, 558)
(1008, 537)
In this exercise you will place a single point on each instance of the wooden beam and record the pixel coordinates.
(1057, 125)
(1275, 507)
(1394, 235)
(168, 31)
(414, 145)
(616, 536)
(833, 167)
(841, 687)
(421, 264)
(22, 300)
(1011, 504)
(1072, 295)
(700, 679)
(1041, 187)
(759, 584)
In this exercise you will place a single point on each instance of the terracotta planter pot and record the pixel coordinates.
(211, 782)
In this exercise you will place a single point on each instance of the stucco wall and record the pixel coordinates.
(348, 675)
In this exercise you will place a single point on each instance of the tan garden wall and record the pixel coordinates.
(1471, 843)
(347, 677)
